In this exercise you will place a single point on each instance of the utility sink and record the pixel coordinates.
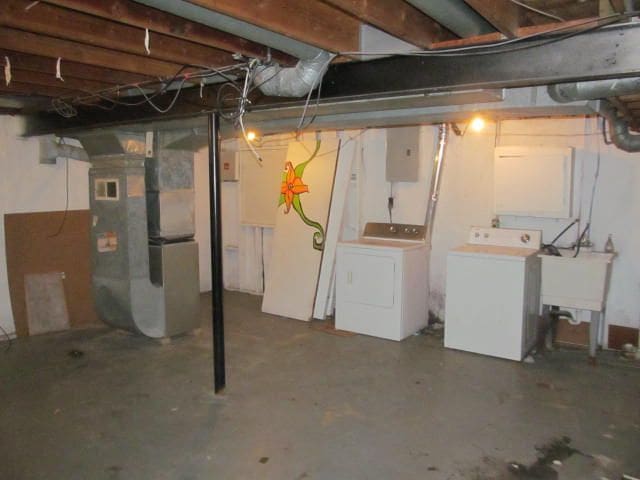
(576, 282)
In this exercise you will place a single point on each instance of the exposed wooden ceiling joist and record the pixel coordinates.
(314, 23)
(32, 89)
(70, 25)
(49, 80)
(37, 63)
(36, 44)
(136, 15)
(502, 14)
(399, 19)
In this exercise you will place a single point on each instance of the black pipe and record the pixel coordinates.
(215, 213)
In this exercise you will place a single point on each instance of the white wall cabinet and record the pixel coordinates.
(533, 181)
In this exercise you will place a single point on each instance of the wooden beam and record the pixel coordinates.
(31, 89)
(399, 19)
(521, 32)
(37, 63)
(136, 15)
(50, 80)
(79, 27)
(310, 22)
(32, 43)
(502, 14)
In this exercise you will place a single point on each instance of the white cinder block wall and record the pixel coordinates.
(27, 186)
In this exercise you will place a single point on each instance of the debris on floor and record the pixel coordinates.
(329, 326)
(75, 353)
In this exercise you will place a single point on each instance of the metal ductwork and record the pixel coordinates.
(456, 15)
(145, 262)
(234, 26)
(594, 90)
(600, 90)
(51, 149)
(619, 130)
(297, 81)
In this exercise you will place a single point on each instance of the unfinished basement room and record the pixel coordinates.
(319, 239)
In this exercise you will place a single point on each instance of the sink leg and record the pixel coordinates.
(594, 328)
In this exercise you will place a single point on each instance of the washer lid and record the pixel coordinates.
(494, 251)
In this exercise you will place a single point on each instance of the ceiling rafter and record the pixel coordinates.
(399, 19)
(315, 23)
(502, 14)
(35, 44)
(70, 25)
(136, 15)
(37, 63)
(32, 89)
(50, 80)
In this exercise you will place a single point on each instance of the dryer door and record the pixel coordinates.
(368, 279)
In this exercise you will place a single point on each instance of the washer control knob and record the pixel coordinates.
(393, 229)
(525, 238)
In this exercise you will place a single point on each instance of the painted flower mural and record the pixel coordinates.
(291, 189)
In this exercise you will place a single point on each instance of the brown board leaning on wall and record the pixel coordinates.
(33, 245)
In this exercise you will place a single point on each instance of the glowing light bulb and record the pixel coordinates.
(477, 124)
(251, 135)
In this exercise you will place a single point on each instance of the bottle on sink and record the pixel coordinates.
(608, 246)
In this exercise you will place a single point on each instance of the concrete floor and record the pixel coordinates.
(304, 404)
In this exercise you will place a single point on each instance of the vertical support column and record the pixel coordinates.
(217, 319)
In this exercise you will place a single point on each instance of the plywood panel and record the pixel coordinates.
(35, 243)
(301, 223)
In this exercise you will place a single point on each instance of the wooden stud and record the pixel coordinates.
(137, 15)
(81, 28)
(396, 18)
(314, 23)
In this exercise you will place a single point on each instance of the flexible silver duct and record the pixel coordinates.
(569, 92)
(621, 135)
(297, 81)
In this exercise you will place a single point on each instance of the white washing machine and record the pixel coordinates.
(381, 281)
(493, 293)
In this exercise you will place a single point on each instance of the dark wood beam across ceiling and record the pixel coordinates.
(399, 19)
(32, 89)
(37, 44)
(49, 80)
(311, 22)
(37, 63)
(136, 15)
(82, 28)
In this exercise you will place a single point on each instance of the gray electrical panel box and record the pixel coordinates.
(402, 154)
(229, 166)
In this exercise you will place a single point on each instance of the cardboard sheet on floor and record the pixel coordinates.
(45, 301)
(301, 222)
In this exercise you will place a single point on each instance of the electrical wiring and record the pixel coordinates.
(491, 48)
(66, 203)
(537, 10)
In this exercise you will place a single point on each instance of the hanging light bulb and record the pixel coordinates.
(251, 135)
(477, 124)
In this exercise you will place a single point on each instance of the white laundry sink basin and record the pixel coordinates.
(581, 282)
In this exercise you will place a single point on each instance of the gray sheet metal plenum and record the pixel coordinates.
(152, 290)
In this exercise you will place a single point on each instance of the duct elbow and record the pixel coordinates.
(296, 81)
(620, 132)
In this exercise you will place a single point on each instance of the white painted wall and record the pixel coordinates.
(467, 197)
(27, 186)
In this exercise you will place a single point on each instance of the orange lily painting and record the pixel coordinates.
(291, 189)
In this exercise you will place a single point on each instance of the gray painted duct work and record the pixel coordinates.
(600, 90)
(621, 135)
(456, 15)
(234, 26)
(296, 81)
(150, 289)
(51, 150)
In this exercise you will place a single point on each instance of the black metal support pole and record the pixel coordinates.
(217, 318)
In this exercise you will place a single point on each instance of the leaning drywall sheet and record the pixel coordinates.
(301, 221)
